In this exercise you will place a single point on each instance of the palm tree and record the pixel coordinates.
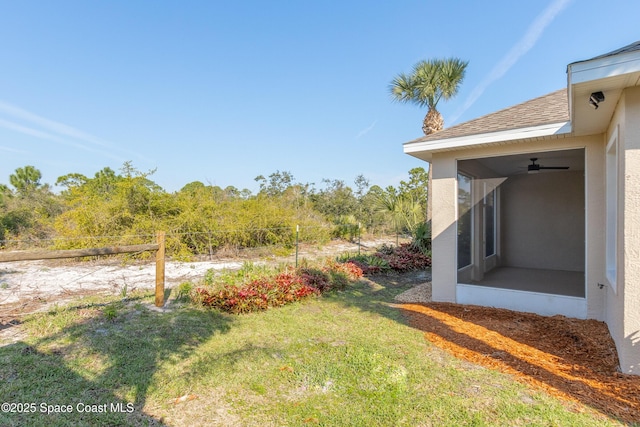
(429, 82)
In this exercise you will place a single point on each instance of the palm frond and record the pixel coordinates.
(403, 88)
(429, 81)
(452, 72)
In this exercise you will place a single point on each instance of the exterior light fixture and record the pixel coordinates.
(595, 99)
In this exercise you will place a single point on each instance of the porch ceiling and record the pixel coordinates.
(517, 164)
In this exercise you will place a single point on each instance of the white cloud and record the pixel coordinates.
(365, 131)
(50, 125)
(523, 45)
(12, 150)
(48, 136)
(43, 128)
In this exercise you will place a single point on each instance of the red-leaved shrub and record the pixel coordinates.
(282, 288)
(405, 257)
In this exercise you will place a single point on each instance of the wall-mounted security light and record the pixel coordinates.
(595, 99)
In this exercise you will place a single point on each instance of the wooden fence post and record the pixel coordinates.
(160, 269)
(297, 238)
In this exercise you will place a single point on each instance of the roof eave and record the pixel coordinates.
(424, 149)
(603, 67)
(609, 74)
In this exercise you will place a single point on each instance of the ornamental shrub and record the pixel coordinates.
(351, 270)
(315, 277)
(405, 257)
(273, 289)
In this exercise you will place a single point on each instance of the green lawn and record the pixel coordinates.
(343, 359)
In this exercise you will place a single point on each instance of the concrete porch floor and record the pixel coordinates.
(556, 282)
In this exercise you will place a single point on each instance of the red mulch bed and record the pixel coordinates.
(569, 358)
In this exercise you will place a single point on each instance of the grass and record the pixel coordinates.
(343, 359)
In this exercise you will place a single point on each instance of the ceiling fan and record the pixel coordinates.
(535, 167)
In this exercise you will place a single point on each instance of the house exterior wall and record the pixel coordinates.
(623, 303)
(444, 226)
(614, 304)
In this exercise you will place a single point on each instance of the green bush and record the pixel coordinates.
(183, 293)
(339, 280)
(422, 238)
(368, 263)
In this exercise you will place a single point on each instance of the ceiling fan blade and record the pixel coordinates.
(535, 167)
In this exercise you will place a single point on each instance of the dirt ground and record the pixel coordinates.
(573, 359)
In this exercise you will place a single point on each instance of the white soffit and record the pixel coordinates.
(488, 138)
(602, 68)
(608, 74)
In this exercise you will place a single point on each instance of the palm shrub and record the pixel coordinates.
(422, 238)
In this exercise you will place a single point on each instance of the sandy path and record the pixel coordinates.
(44, 279)
(53, 279)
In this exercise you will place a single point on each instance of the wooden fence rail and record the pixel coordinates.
(73, 253)
(158, 247)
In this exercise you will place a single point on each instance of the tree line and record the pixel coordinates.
(126, 207)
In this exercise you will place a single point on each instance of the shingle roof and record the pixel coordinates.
(551, 108)
(629, 48)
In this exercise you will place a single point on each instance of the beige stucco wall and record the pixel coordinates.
(594, 226)
(623, 306)
(444, 197)
(443, 228)
(614, 303)
(543, 221)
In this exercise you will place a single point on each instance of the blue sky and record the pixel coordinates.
(221, 91)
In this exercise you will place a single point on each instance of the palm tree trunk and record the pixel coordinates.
(433, 122)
